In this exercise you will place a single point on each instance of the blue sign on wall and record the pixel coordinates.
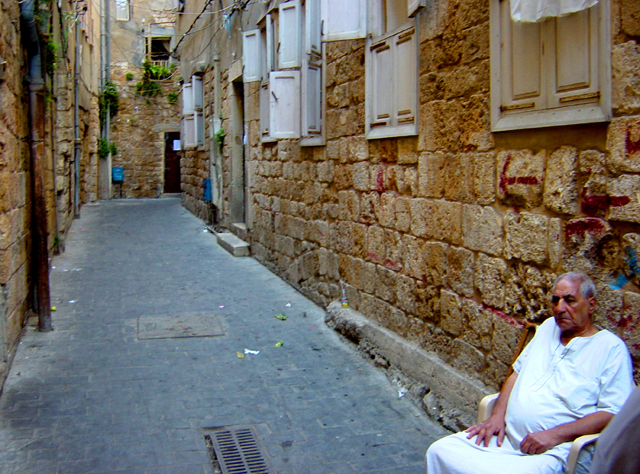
(117, 174)
(207, 190)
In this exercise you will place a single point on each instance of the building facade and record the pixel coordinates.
(438, 162)
(147, 79)
(48, 142)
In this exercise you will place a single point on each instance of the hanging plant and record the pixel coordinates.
(108, 101)
(219, 137)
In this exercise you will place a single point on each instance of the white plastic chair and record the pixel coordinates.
(486, 408)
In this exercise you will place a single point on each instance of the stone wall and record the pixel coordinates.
(138, 132)
(15, 200)
(452, 239)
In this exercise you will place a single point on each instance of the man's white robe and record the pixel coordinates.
(556, 384)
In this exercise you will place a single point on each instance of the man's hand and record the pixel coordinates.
(486, 430)
(539, 442)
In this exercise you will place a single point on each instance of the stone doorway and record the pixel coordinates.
(172, 162)
(238, 201)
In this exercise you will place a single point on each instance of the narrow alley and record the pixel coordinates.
(147, 358)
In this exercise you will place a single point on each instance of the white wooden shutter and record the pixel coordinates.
(343, 19)
(312, 97)
(406, 73)
(187, 99)
(251, 62)
(284, 99)
(189, 131)
(575, 38)
(264, 109)
(381, 96)
(270, 56)
(313, 27)
(523, 70)
(290, 35)
(198, 94)
(198, 128)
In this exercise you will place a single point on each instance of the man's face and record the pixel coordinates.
(571, 310)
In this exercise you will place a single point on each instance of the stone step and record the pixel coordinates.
(232, 244)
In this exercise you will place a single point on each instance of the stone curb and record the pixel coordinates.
(446, 394)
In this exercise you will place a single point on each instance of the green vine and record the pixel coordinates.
(172, 97)
(104, 148)
(108, 102)
(219, 137)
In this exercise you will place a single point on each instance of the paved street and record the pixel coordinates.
(151, 319)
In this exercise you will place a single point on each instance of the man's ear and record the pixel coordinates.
(592, 305)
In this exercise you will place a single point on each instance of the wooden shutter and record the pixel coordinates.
(312, 98)
(381, 94)
(343, 19)
(187, 99)
(284, 98)
(289, 35)
(575, 40)
(189, 131)
(251, 62)
(198, 94)
(405, 83)
(270, 53)
(264, 109)
(523, 71)
(198, 119)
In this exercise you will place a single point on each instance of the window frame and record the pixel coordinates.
(126, 7)
(548, 115)
(395, 126)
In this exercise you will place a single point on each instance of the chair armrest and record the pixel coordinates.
(577, 445)
(486, 406)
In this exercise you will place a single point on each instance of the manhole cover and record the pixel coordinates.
(236, 450)
(186, 325)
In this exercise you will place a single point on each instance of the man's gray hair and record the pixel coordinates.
(587, 286)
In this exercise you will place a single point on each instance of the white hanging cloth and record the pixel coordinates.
(539, 10)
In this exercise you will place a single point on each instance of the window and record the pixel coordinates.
(159, 51)
(122, 10)
(391, 71)
(343, 19)
(291, 96)
(192, 125)
(556, 72)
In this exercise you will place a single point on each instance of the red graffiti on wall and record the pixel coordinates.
(511, 180)
(630, 145)
(598, 204)
(583, 226)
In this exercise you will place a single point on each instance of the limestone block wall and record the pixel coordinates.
(138, 133)
(452, 239)
(195, 161)
(15, 199)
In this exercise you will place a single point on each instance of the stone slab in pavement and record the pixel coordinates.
(93, 397)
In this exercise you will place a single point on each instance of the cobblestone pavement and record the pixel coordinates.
(112, 389)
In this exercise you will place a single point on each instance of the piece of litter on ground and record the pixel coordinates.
(72, 301)
(53, 308)
(240, 355)
(247, 351)
(281, 317)
(279, 344)
(221, 306)
(288, 305)
(402, 392)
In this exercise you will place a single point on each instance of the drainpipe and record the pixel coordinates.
(36, 142)
(76, 127)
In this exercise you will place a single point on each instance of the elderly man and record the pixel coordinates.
(570, 380)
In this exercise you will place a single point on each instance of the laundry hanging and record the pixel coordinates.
(540, 10)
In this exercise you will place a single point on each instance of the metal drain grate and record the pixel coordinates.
(237, 451)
